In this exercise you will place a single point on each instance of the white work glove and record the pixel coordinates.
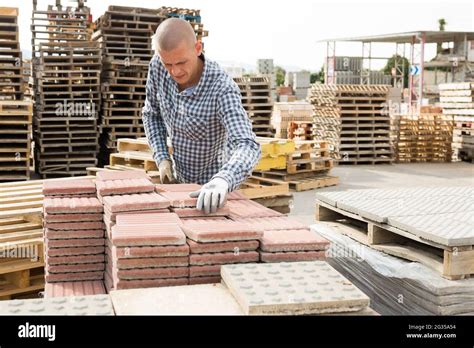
(166, 172)
(211, 196)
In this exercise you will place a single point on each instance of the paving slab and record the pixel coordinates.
(68, 187)
(204, 280)
(147, 251)
(74, 242)
(76, 276)
(72, 217)
(67, 289)
(108, 215)
(177, 188)
(67, 234)
(193, 212)
(292, 288)
(205, 271)
(126, 186)
(72, 205)
(89, 250)
(223, 258)
(67, 260)
(120, 175)
(147, 218)
(292, 240)
(292, 256)
(219, 247)
(246, 209)
(179, 199)
(133, 202)
(82, 267)
(273, 223)
(219, 231)
(87, 225)
(73, 305)
(151, 273)
(148, 235)
(206, 299)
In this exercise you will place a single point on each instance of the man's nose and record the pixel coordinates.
(175, 71)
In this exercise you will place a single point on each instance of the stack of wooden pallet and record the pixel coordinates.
(124, 35)
(304, 165)
(284, 113)
(424, 137)
(300, 130)
(15, 112)
(457, 100)
(193, 16)
(257, 101)
(66, 68)
(354, 121)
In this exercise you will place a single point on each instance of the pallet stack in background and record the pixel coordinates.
(424, 136)
(354, 121)
(15, 110)
(457, 100)
(257, 101)
(66, 67)
(285, 112)
(193, 16)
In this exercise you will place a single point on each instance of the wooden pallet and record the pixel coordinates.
(257, 187)
(450, 262)
(301, 181)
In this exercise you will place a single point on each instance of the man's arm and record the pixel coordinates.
(246, 151)
(155, 129)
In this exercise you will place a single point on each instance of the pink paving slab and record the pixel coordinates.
(177, 188)
(119, 284)
(82, 267)
(68, 187)
(240, 208)
(147, 235)
(126, 186)
(67, 277)
(134, 202)
(204, 280)
(76, 195)
(193, 212)
(73, 234)
(72, 205)
(292, 240)
(85, 288)
(218, 231)
(106, 175)
(147, 251)
(205, 271)
(151, 273)
(292, 256)
(179, 199)
(223, 258)
(151, 262)
(72, 217)
(218, 247)
(273, 223)
(235, 195)
(63, 226)
(113, 216)
(70, 260)
(147, 219)
(75, 251)
(78, 242)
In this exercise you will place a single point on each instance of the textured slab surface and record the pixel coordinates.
(142, 283)
(223, 258)
(219, 231)
(82, 267)
(120, 175)
(151, 273)
(193, 212)
(75, 251)
(212, 299)
(80, 305)
(152, 262)
(143, 201)
(108, 215)
(72, 205)
(67, 260)
(218, 247)
(292, 288)
(292, 240)
(66, 234)
(177, 187)
(72, 217)
(88, 225)
(247, 209)
(68, 187)
(439, 214)
(147, 218)
(179, 199)
(292, 256)
(76, 242)
(148, 251)
(67, 289)
(76, 276)
(146, 235)
(273, 223)
(126, 186)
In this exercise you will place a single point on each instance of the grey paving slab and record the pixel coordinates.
(205, 299)
(291, 288)
(80, 305)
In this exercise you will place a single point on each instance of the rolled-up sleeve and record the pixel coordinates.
(246, 151)
(153, 124)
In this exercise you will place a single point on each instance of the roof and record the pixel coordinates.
(431, 37)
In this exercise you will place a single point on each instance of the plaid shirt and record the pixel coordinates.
(210, 132)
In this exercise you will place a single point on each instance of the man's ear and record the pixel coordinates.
(198, 47)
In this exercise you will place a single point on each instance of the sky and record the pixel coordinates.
(240, 32)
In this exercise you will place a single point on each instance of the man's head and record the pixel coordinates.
(176, 44)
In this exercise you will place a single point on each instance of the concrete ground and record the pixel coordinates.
(386, 176)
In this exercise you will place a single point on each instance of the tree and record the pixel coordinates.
(317, 76)
(441, 25)
(280, 75)
(391, 65)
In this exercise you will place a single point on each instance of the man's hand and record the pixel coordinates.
(212, 195)
(166, 172)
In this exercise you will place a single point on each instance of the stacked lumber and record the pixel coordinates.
(284, 113)
(257, 102)
(124, 35)
(303, 164)
(457, 100)
(354, 121)
(15, 111)
(66, 67)
(423, 137)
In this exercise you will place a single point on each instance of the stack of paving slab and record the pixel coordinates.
(396, 286)
(73, 230)
(286, 240)
(79, 288)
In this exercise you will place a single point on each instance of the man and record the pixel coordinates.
(198, 105)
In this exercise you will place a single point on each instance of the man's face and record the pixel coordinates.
(181, 62)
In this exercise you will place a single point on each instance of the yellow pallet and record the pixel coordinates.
(272, 147)
(268, 163)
